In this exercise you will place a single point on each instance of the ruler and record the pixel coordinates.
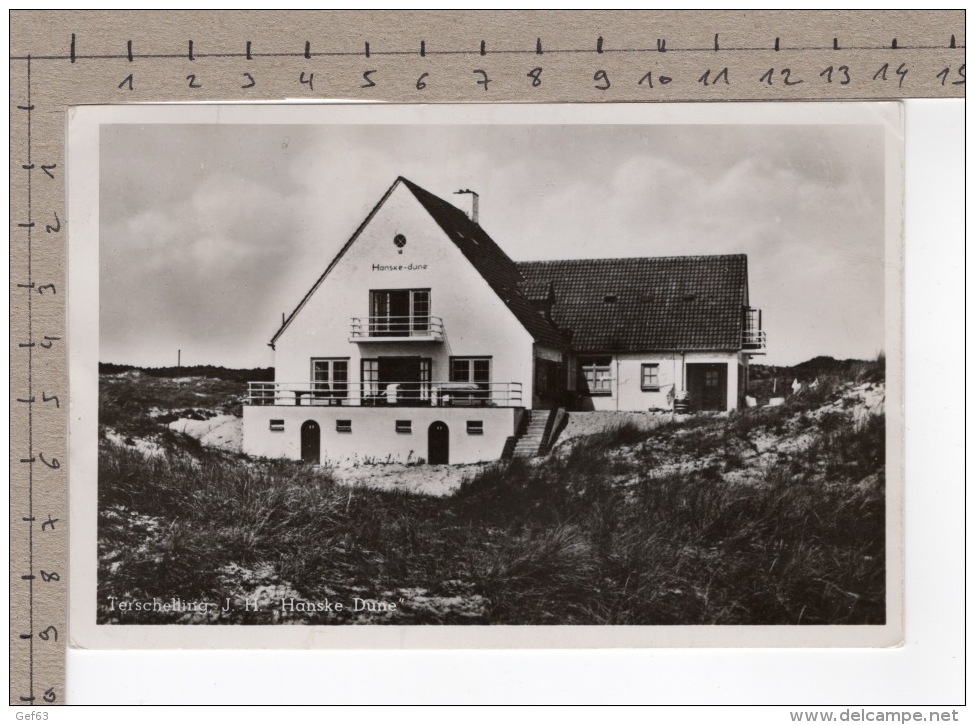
(59, 59)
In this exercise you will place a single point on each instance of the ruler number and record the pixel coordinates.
(484, 78)
(536, 75)
(369, 82)
(192, 83)
(786, 74)
(600, 76)
(51, 576)
(648, 79)
(881, 74)
(127, 81)
(251, 80)
(53, 463)
(943, 75)
(721, 75)
(49, 633)
(842, 74)
(420, 83)
(56, 227)
(308, 81)
(49, 695)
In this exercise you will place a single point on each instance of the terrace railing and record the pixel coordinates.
(406, 393)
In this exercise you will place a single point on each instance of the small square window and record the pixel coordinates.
(343, 426)
(277, 424)
(650, 376)
(475, 427)
(404, 426)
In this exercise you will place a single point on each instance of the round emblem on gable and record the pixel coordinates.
(399, 240)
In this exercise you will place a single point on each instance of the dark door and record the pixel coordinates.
(391, 313)
(707, 384)
(311, 442)
(405, 371)
(438, 446)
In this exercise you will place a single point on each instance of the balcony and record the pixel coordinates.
(753, 342)
(752, 335)
(397, 328)
(438, 394)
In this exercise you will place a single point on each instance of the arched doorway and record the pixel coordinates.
(311, 442)
(438, 445)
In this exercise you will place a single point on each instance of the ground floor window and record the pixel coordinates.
(330, 377)
(650, 376)
(596, 375)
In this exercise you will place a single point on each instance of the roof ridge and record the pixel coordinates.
(736, 255)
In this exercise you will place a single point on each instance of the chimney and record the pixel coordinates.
(474, 199)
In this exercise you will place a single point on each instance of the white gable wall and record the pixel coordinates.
(476, 321)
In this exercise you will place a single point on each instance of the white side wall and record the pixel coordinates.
(626, 371)
(374, 437)
(476, 322)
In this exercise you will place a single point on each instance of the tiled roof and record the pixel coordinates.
(491, 262)
(646, 304)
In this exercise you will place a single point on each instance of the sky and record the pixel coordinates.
(209, 232)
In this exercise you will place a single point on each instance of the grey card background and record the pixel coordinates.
(61, 59)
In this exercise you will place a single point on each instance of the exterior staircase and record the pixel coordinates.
(529, 444)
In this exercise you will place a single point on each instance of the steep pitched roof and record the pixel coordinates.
(646, 304)
(497, 269)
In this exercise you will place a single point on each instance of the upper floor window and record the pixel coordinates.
(596, 375)
(399, 313)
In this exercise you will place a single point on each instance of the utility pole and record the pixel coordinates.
(179, 355)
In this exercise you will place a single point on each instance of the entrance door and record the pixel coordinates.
(402, 370)
(438, 446)
(707, 384)
(311, 442)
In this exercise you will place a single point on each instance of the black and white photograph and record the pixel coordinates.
(370, 368)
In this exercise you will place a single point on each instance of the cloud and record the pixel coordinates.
(209, 233)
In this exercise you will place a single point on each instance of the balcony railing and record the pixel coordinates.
(410, 393)
(753, 341)
(418, 328)
(752, 336)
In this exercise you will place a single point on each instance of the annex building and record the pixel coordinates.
(423, 340)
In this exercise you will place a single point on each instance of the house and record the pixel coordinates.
(423, 340)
